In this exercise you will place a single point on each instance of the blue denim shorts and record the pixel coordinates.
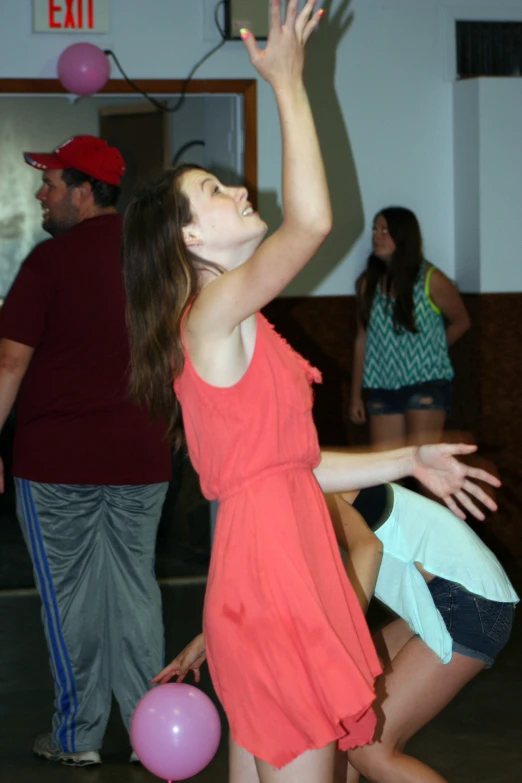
(427, 396)
(479, 628)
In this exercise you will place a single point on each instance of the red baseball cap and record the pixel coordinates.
(88, 154)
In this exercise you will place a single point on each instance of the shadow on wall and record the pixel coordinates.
(348, 218)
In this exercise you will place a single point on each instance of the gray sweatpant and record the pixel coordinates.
(92, 549)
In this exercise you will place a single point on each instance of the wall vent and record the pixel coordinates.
(489, 49)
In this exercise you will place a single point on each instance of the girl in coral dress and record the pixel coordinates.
(289, 652)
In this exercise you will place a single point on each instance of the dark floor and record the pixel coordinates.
(477, 738)
(26, 693)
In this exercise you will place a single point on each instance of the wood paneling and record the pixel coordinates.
(487, 400)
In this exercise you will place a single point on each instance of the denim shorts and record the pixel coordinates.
(427, 396)
(479, 627)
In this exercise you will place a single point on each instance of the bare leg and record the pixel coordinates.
(410, 703)
(313, 766)
(424, 426)
(388, 430)
(388, 641)
(241, 765)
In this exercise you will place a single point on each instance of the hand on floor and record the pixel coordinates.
(190, 658)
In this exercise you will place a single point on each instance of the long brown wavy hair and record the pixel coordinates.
(161, 278)
(400, 274)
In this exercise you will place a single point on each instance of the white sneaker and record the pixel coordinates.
(45, 747)
(134, 758)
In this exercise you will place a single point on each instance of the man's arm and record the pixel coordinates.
(14, 361)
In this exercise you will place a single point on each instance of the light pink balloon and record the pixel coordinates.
(83, 68)
(175, 731)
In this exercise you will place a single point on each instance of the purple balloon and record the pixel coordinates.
(175, 731)
(83, 68)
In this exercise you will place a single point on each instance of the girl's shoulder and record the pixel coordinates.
(427, 271)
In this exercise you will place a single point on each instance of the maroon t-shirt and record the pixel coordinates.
(74, 421)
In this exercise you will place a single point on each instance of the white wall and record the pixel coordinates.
(392, 81)
(186, 126)
(466, 114)
(216, 120)
(488, 184)
(501, 184)
(224, 137)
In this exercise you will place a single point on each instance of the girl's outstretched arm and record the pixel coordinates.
(434, 466)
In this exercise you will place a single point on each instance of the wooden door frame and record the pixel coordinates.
(247, 88)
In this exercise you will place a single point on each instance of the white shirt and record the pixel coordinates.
(421, 531)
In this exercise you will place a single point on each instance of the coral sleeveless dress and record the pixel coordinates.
(288, 648)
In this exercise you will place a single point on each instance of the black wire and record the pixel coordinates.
(216, 20)
(134, 85)
(183, 94)
(185, 147)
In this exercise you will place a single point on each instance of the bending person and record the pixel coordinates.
(455, 606)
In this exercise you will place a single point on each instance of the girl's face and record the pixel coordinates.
(382, 243)
(226, 229)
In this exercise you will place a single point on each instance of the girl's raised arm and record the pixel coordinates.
(307, 220)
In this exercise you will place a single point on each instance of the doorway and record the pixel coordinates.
(207, 131)
(217, 128)
(37, 114)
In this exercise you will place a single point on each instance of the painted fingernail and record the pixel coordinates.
(320, 12)
(243, 33)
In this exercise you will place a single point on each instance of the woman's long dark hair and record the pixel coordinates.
(161, 278)
(400, 274)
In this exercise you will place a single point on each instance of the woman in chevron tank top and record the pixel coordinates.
(408, 313)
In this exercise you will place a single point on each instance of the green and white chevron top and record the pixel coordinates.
(394, 360)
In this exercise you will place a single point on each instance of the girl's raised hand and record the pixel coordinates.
(281, 61)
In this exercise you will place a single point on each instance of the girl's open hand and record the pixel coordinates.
(190, 658)
(436, 467)
(281, 61)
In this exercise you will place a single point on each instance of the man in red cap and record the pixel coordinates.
(91, 471)
(82, 160)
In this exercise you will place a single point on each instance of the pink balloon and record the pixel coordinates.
(83, 68)
(175, 731)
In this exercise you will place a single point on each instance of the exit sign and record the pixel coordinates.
(71, 16)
